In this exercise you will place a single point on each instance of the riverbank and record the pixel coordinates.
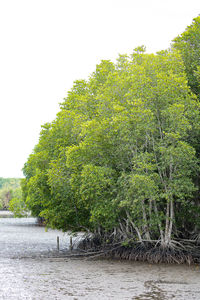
(145, 252)
(6, 214)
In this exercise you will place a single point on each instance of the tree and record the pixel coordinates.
(118, 160)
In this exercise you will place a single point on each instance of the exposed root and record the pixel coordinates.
(152, 252)
(149, 253)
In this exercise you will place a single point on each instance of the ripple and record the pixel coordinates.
(28, 270)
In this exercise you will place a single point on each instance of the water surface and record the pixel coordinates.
(30, 270)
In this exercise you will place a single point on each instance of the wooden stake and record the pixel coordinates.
(58, 243)
(71, 245)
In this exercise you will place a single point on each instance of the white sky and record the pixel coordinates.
(45, 45)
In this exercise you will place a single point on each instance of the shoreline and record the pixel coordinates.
(149, 252)
(6, 214)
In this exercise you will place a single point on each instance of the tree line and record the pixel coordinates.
(9, 189)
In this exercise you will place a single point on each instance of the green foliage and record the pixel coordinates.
(8, 187)
(188, 43)
(9, 183)
(17, 205)
(119, 155)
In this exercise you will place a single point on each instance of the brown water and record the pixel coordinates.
(28, 270)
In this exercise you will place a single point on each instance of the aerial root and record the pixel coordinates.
(149, 253)
(152, 252)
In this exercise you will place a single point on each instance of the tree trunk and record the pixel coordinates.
(134, 226)
(145, 226)
(159, 223)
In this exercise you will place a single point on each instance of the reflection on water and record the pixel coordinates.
(28, 270)
(24, 238)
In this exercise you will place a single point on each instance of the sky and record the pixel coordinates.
(45, 45)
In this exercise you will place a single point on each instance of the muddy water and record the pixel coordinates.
(29, 270)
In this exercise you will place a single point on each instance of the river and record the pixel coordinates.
(30, 270)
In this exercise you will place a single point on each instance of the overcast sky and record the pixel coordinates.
(45, 45)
